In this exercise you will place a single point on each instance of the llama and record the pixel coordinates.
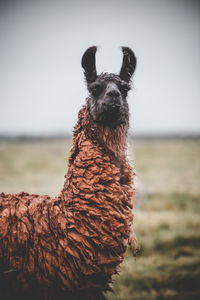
(68, 247)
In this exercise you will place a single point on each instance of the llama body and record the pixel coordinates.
(71, 245)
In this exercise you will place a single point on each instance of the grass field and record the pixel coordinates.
(167, 210)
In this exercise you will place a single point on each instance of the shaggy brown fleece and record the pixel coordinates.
(68, 247)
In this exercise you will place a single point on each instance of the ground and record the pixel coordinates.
(167, 207)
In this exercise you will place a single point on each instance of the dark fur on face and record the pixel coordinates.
(107, 102)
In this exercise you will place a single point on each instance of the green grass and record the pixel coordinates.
(167, 207)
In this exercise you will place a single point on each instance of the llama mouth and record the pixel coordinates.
(111, 117)
(111, 108)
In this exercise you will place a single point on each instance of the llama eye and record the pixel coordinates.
(96, 89)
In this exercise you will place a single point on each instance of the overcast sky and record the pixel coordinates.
(41, 44)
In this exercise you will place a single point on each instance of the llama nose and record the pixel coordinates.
(113, 93)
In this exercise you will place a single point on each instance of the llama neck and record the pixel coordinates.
(111, 140)
(92, 138)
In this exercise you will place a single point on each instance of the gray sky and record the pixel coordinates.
(41, 44)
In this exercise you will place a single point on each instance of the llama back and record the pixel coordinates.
(25, 240)
(35, 260)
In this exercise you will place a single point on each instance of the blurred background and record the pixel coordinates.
(42, 89)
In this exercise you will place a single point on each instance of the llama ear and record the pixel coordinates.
(89, 65)
(128, 64)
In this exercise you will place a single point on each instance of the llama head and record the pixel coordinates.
(108, 105)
